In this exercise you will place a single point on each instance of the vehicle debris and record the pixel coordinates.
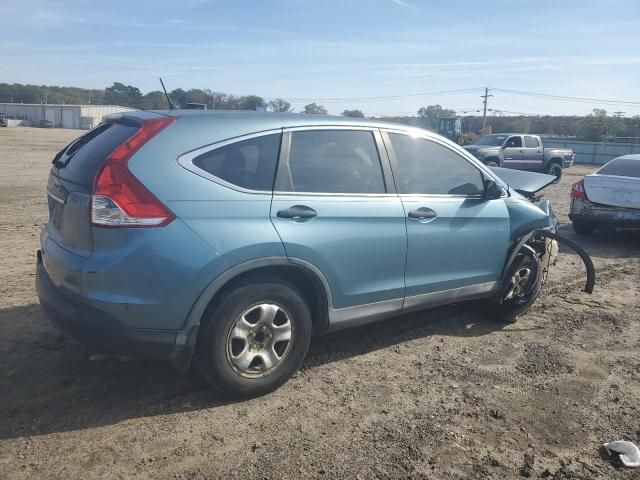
(627, 451)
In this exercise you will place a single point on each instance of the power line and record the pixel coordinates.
(571, 99)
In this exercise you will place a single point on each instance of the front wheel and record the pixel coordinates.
(255, 338)
(525, 282)
(555, 170)
(491, 163)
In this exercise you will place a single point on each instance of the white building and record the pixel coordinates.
(65, 116)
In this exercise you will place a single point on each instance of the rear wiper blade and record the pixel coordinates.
(56, 160)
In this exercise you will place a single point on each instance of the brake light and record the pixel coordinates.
(578, 192)
(119, 199)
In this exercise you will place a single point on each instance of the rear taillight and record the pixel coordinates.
(119, 199)
(578, 192)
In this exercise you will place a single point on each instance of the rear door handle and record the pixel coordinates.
(422, 214)
(297, 212)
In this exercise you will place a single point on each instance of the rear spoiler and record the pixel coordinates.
(526, 183)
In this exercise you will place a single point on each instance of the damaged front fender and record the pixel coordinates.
(540, 234)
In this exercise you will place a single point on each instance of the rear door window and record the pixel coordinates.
(531, 142)
(426, 167)
(249, 164)
(621, 167)
(80, 161)
(333, 161)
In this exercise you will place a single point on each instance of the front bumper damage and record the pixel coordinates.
(550, 239)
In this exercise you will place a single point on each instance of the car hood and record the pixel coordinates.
(526, 183)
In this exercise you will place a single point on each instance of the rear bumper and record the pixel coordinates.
(98, 330)
(603, 216)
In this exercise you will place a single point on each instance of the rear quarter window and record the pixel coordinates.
(249, 164)
(621, 167)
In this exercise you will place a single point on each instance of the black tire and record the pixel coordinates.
(555, 169)
(491, 163)
(582, 228)
(512, 308)
(215, 343)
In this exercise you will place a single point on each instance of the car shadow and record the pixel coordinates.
(605, 243)
(48, 385)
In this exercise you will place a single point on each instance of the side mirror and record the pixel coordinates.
(491, 190)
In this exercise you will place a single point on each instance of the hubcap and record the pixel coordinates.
(259, 340)
(518, 283)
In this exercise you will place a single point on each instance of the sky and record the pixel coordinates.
(339, 53)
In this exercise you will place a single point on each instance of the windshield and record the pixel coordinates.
(492, 140)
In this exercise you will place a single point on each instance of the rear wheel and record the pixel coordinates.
(255, 338)
(525, 281)
(491, 163)
(582, 228)
(555, 170)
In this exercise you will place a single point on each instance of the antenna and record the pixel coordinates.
(171, 105)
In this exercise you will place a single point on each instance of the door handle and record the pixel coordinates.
(297, 212)
(422, 214)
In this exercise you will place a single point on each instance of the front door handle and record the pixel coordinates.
(297, 212)
(422, 214)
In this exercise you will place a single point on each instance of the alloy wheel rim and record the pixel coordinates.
(518, 283)
(259, 340)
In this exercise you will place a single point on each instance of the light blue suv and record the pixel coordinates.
(234, 237)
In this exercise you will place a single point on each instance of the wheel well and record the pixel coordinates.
(556, 160)
(492, 159)
(309, 286)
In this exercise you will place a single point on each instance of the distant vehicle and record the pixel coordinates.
(521, 152)
(4, 122)
(45, 124)
(232, 238)
(609, 197)
(451, 128)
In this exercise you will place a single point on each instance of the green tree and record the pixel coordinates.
(179, 97)
(429, 115)
(314, 109)
(352, 113)
(252, 102)
(125, 95)
(594, 127)
(155, 100)
(511, 124)
(279, 105)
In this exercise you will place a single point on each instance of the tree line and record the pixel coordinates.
(596, 126)
(131, 96)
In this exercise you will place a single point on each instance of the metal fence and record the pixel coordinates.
(593, 153)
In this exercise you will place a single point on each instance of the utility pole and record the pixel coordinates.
(484, 114)
(619, 113)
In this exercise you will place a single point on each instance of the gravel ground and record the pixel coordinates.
(443, 394)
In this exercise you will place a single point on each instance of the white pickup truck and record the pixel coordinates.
(521, 152)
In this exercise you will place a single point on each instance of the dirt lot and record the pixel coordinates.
(445, 394)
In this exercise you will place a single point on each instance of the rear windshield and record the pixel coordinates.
(80, 161)
(621, 167)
